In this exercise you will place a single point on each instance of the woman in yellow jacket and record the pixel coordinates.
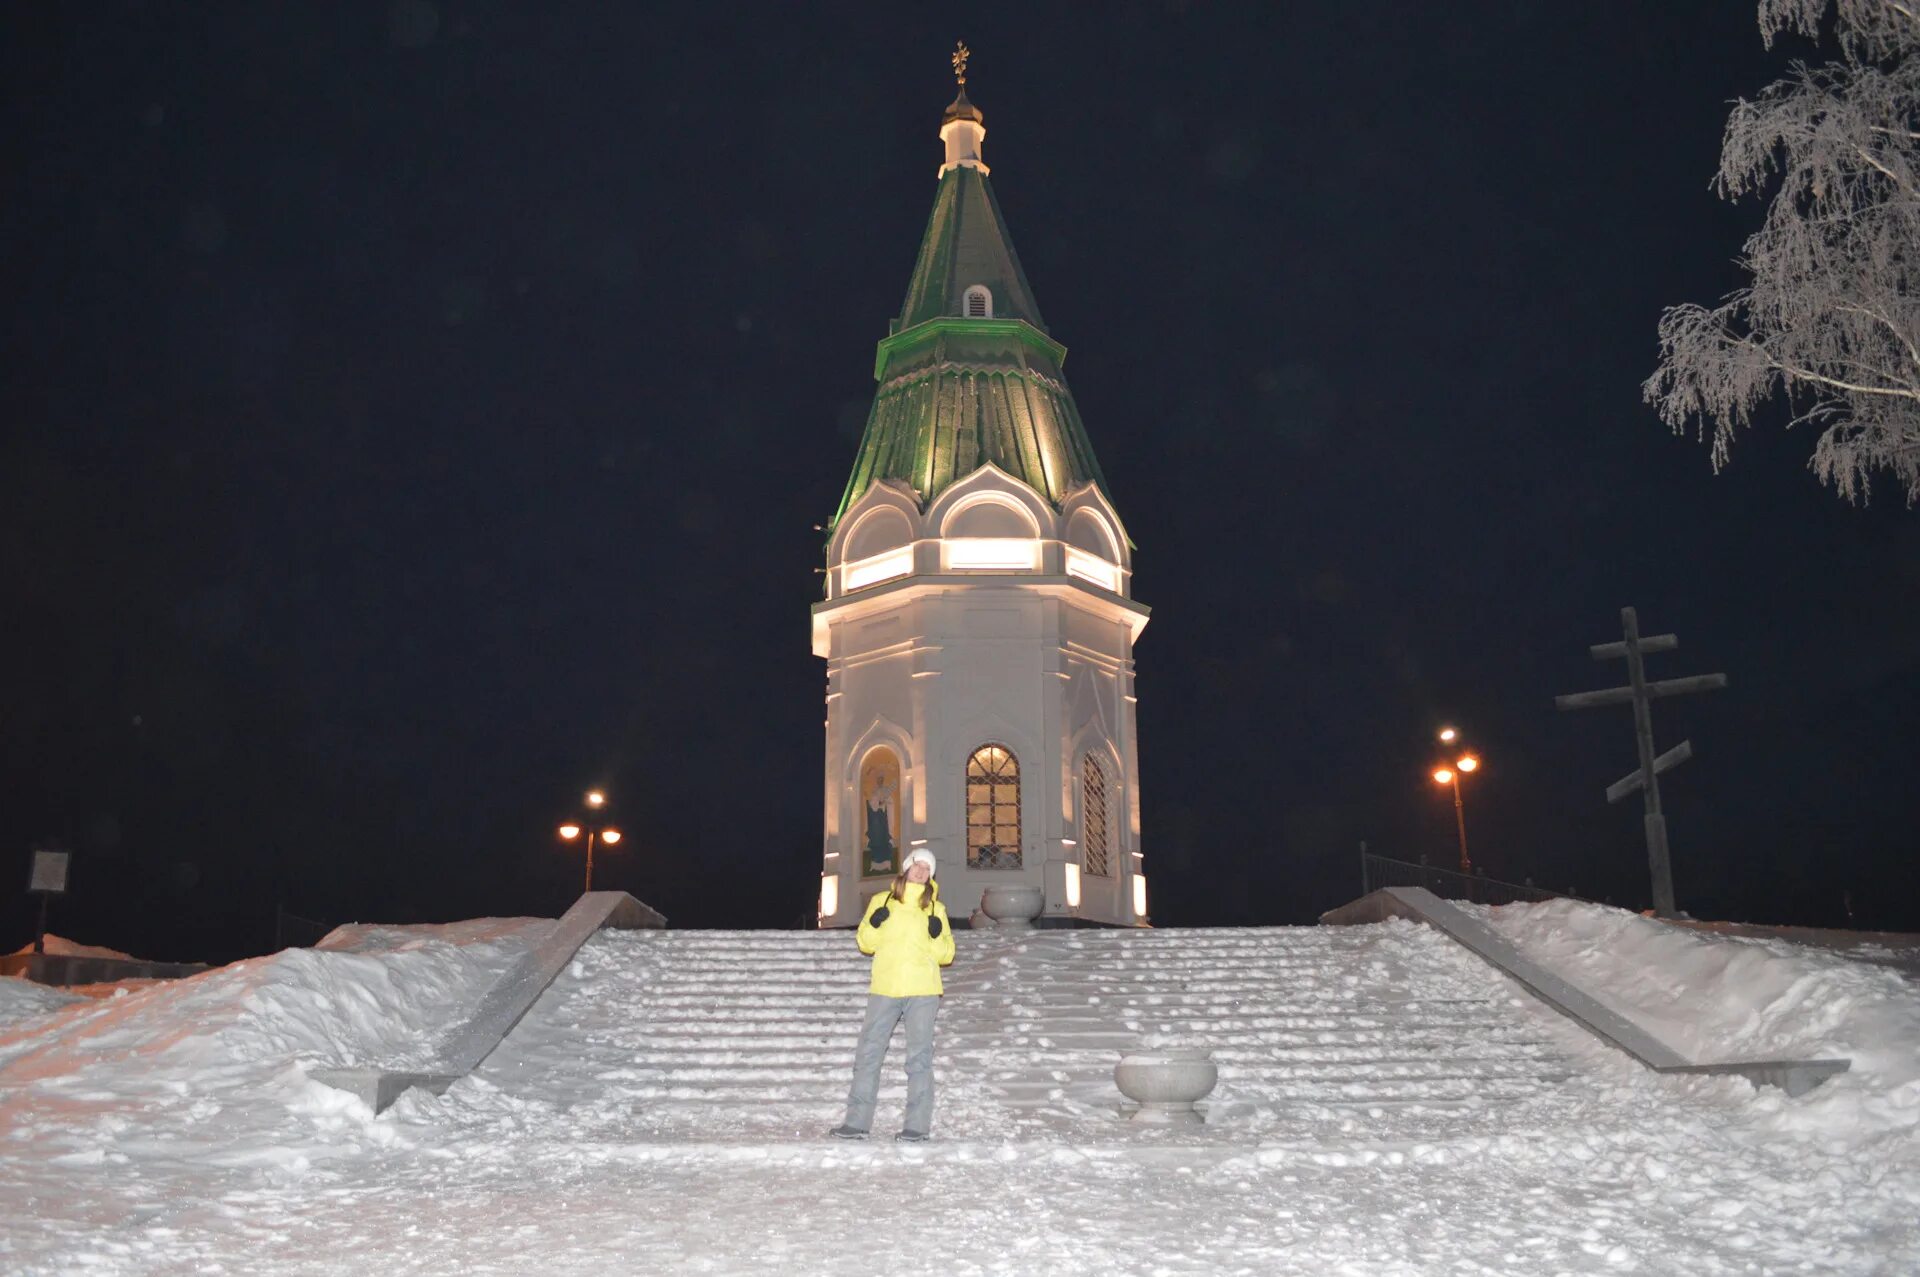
(905, 928)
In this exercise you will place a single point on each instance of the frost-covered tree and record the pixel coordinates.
(1831, 320)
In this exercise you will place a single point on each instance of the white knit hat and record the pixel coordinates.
(918, 853)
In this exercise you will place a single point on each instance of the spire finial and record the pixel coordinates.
(962, 126)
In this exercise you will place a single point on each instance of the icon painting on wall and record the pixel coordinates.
(880, 807)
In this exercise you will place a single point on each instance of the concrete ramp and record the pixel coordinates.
(1417, 904)
(503, 1005)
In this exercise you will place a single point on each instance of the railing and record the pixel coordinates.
(1378, 871)
(290, 930)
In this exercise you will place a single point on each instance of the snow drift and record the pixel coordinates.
(1717, 997)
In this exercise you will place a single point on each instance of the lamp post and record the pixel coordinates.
(1466, 763)
(594, 827)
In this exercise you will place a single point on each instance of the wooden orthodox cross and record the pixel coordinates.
(1645, 778)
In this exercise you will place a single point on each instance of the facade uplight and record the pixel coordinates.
(880, 567)
(1093, 568)
(1139, 895)
(1073, 885)
(1002, 554)
(829, 895)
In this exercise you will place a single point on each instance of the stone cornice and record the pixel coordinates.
(930, 330)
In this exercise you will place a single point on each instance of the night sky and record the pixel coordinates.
(414, 414)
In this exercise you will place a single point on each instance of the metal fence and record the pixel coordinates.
(290, 930)
(1378, 871)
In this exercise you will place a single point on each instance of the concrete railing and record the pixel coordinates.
(1417, 904)
(503, 1005)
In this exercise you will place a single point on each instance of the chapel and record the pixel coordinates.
(978, 621)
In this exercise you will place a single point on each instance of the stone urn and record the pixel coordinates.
(1012, 908)
(1166, 1083)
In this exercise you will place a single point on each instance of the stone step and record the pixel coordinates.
(846, 1018)
(758, 1093)
(749, 976)
(1281, 1030)
(1398, 1071)
(976, 944)
(816, 1054)
(1329, 1018)
(834, 1072)
(1250, 1029)
(1269, 1002)
(1223, 1051)
(1102, 1053)
(758, 1028)
(747, 971)
(1183, 938)
(1460, 1086)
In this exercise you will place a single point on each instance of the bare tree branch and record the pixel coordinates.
(1830, 319)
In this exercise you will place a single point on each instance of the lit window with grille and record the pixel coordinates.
(993, 809)
(979, 302)
(1093, 817)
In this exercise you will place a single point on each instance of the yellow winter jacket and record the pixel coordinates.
(906, 960)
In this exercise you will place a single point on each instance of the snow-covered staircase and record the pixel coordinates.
(1294, 1016)
(731, 1035)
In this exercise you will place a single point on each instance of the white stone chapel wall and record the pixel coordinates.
(936, 663)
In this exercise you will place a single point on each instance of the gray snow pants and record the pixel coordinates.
(882, 1015)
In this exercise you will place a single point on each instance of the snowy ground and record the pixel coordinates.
(173, 1129)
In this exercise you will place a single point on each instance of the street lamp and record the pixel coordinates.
(598, 831)
(1463, 765)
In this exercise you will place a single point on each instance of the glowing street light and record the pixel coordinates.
(1448, 735)
(595, 832)
(1464, 765)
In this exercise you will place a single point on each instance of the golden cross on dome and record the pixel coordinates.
(960, 55)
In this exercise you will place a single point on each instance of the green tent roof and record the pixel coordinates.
(966, 243)
(956, 393)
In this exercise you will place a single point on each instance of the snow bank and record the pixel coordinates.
(249, 1031)
(22, 999)
(1720, 998)
(374, 937)
(60, 946)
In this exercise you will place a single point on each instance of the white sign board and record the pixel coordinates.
(49, 871)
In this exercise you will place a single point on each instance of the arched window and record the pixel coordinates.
(878, 828)
(1094, 840)
(993, 809)
(979, 302)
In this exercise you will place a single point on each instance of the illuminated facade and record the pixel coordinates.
(978, 625)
